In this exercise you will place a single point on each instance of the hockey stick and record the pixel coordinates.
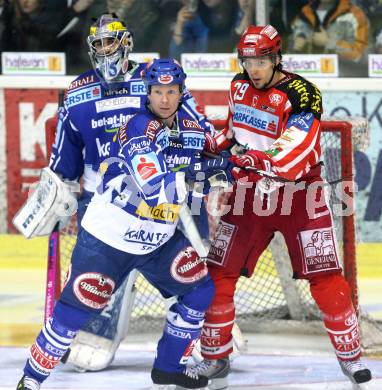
(191, 231)
(52, 279)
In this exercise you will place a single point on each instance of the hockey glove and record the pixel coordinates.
(251, 160)
(207, 168)
(215, 143)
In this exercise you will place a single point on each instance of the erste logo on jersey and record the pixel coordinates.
(165, 78)
(83, 95)
(146, 166)
(137, 88)
(256, 119)
(193, 140)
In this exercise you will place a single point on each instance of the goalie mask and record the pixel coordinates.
(110, 43)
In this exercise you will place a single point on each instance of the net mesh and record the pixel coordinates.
(270, 295)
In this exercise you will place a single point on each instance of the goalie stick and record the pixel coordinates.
(53, 287)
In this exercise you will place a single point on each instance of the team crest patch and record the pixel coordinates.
(275, 99)
(319, 250)
(93, 289)
(222, 243)
(188, 267)
(165, 79)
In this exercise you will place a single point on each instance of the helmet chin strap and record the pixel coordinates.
(271, 79)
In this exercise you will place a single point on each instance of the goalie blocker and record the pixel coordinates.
(52, 201)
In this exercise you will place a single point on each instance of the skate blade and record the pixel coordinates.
(218, 384)
(174, 387)
(361, 386)
(79, 369)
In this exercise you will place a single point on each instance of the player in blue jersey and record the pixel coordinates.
(97, 103)
(131, 223)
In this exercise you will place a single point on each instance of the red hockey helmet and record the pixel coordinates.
(258, 41)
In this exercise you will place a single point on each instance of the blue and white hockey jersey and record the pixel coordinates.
(91, 117)
(137, 211)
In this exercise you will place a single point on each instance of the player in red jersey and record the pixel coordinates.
(274, 119)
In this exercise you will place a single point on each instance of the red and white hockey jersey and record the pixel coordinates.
(283, 121)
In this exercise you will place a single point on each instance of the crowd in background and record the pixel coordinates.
(351, 29)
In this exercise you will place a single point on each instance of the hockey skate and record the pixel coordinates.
(28, 383)
(357, 372)
(215, 370)
(187, 379)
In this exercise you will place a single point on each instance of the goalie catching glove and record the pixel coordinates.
(52, 201)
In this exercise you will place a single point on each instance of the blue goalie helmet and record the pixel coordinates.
(110, 43)
(164, 71)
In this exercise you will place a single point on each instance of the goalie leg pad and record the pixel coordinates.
(53, 341)
(332, 295)
(182, 328)
(216, 339)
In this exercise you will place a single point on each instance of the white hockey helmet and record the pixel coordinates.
(110, 43)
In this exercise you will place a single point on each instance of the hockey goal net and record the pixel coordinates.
(271, 299)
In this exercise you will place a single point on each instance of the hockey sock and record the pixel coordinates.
(332, 295)
(182, 329)
(216, 338)
(53, 341)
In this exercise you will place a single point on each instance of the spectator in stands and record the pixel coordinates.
(190, 33)
(373, 10)
(37, 25)
(246, 15)
(378, 43)
(330, 26)
(219, 17)
(27, 27)
(72, 36)
(143, 19)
